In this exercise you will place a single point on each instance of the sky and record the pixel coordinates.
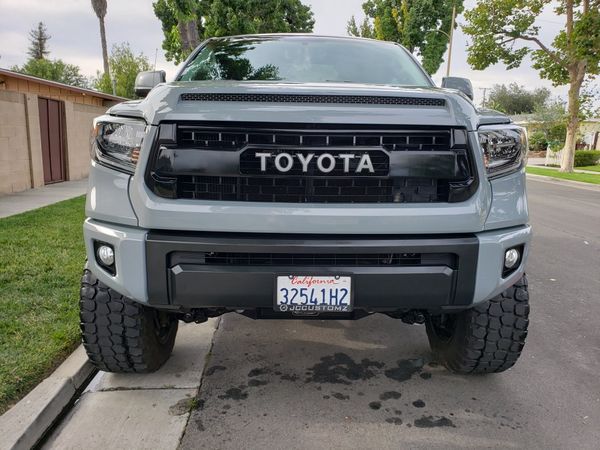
(75, 36)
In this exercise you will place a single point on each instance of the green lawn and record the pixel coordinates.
(583, 177)
(592, 168)
(41, 259)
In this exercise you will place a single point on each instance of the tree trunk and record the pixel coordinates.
(188, 33)
(104, 47)
(577, 75)
(183, 35)
(193, 37)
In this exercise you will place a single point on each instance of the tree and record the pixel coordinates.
(422, 26)
(38, 42)
(548, 126)
(100, 7)
(55, 70)
(186, 22)
(505, 31)
(515, 99)
(125, 67)
(365, 29)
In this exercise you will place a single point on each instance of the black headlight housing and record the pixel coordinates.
(504, 148)
(117, 141)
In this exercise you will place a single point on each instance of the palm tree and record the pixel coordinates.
(100, 7)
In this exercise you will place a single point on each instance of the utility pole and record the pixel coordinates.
(484, 101)
(450, 39)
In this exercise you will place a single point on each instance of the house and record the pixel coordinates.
(589, 130)
(45, 130)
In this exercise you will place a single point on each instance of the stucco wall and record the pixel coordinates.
(15, 170)
(21, 166)
(79, 125)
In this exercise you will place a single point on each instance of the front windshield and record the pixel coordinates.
(304, 60)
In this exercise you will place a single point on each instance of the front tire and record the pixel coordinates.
(485, 339)
(120, 335)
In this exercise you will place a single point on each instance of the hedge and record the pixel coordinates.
(587, 158)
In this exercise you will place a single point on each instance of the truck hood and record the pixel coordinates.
(335, 103)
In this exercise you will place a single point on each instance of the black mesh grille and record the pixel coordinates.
(300, 98)
(325, 259)
(312, 190)
(285, 259)
(231, 139)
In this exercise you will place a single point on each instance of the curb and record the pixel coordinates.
(26, 423)
(562, 182)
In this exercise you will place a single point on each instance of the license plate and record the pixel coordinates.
(313, 294)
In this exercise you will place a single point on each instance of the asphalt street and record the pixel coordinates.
(374, 383)
(236, 383)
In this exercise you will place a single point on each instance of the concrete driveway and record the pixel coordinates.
(374, 383)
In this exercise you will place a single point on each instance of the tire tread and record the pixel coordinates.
(111, 325)
(493, 334)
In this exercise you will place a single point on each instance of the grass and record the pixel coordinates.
(583, 177)
(41, 259)
(592, 168)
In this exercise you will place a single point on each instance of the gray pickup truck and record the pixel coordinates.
(305, 177)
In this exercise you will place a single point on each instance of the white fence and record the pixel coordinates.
(553, 158)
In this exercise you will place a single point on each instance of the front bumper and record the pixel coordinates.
(169, 270)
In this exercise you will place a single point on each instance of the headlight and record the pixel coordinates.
(504, 148)
(117, 141)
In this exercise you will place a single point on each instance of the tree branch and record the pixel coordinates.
(569, 7)
(512, 37)
(546, 50)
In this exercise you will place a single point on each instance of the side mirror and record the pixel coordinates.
(145, 81)
(460, 84)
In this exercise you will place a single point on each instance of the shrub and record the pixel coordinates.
(556, 146)
(556, 131)
(587, 157)
(538, 141)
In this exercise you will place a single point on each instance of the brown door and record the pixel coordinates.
(51, 127)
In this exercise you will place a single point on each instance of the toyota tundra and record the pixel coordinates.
(305, 177)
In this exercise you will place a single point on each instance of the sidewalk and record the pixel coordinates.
(138, 411)
(20, 202)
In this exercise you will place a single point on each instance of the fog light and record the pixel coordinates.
(106, 255)
(511, 258)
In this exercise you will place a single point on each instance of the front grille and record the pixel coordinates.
(308, 190)
(237, 139)
(302, 98)
(220, 161)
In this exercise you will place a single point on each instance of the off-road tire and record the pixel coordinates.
(120, 335)
(487, 338)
